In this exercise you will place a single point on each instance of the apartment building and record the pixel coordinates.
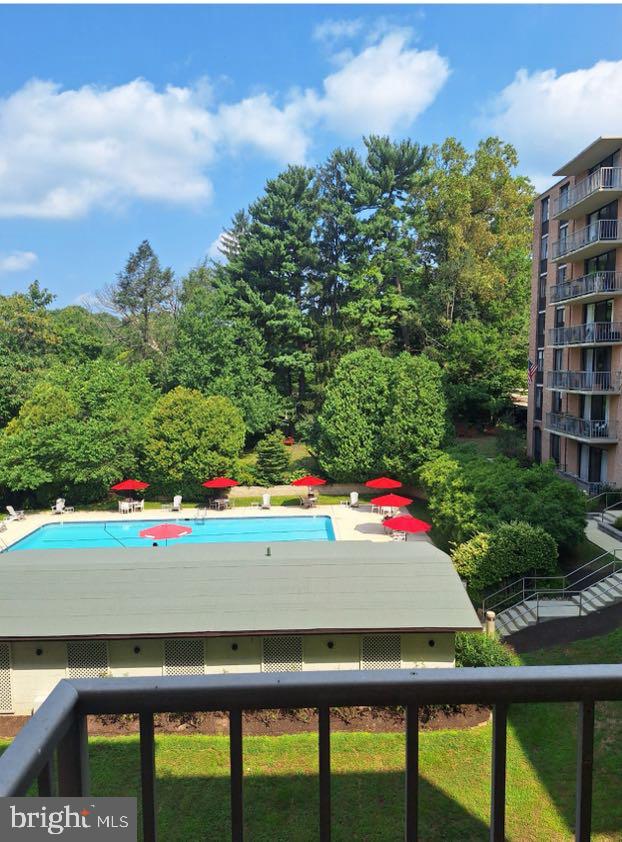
(576, 319)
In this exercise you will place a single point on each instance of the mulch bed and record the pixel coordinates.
(274, 722)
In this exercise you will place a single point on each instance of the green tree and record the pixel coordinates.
(190, 438)
(272, 460)
(80, 430)
(219, 351)
(380, 414)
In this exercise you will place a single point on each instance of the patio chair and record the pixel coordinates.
(176, 507)
(15, 515)
(125, 507)
(138, 506)
(354, 499)
(265, 501)
(59, 506)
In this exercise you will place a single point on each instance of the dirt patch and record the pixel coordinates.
(275, 722)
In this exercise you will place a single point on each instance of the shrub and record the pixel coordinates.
(512, 549)
(474, 649)
(272, 460)
(618, 522)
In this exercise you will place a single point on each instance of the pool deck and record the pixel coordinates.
(348, 524)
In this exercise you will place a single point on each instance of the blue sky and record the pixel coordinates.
(121, 123)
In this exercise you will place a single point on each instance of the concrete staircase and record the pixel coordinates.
(590, 588)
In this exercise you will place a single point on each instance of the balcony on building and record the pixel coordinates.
(585, 382)
(590, 488)
(589, 240)
(582, 429)
(589, 193)
(590, 333)
(595, 286)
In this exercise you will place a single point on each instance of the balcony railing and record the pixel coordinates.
(595, 283)
(604, 178)
(59, 726)
(581, 428)
(590, 333)
(590, 488)
(584, 381)
(603, 230)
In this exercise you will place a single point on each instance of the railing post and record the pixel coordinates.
(235, 757)
(73, 760)
(585, 762)
(324, 772)
(148, 777)
(412, 773)
(497, 787)
(45, 779)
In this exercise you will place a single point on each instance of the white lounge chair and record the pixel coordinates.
(176, 507)
(354, 499)
(59, 506)
(265, 501)
(124, 507)
(398, 536)
(15, 515)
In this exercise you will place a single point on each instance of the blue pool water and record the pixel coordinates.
(75, 536)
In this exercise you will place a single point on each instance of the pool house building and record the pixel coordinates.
(199, 609)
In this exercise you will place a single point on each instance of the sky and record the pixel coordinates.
(124, 123)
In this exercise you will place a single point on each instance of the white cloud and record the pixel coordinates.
(383, 88)
(550, 117)
(17, 261)
(331, 31)
(65, 152)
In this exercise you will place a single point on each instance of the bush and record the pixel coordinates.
(475, 649)
(511, 442)
(512, 549)
(618, 522)
(272, 460)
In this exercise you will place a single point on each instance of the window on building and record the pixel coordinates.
(563, 196)
(542, 292)
(282, 653)
(87, 658)
(560, 276)
(544, 247)
(554, 446)
(184, 656)
(538, 405)
(6, 702)
(381, 651)
(537, 444)
(556, 402)
(558, 359)
(544, 214)
(560, 313)
(563, 237)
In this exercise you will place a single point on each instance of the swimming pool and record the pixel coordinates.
(75, 536)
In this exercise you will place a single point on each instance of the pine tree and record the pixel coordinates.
(272, 460)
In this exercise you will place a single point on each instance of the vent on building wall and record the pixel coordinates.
(184, 656)
(6, 704)
(87, 658)
(381, 652)
(282, 653)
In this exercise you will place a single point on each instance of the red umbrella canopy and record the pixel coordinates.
(308, 481)
(393, 500)
(130, 485)
(406, 523)
(160, 531)
(220, 482)
(383, 482)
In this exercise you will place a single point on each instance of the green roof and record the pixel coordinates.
(222, 589)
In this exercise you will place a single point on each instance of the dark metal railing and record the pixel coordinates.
(584, 381)
(59, 726)
(590, 284)
(602, 230)
(604, 178)
(589, 333)
(581, 428)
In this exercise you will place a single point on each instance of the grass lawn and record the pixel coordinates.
(281, 782)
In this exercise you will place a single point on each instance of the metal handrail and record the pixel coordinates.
(589, 284)
(59, 728)
(608, 509)
(588, 333)
(572, 425)
(584, 381)
(604, 178)
(600, 229)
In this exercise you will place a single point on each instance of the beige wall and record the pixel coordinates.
(33, 676)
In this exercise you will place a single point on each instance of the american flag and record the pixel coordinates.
(531, 370)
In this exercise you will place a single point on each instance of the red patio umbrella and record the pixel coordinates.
(393, 501)
(130, 485)
(407, 523)
(383, 482)
(220, 482)
(160, 531)
(308, 481)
